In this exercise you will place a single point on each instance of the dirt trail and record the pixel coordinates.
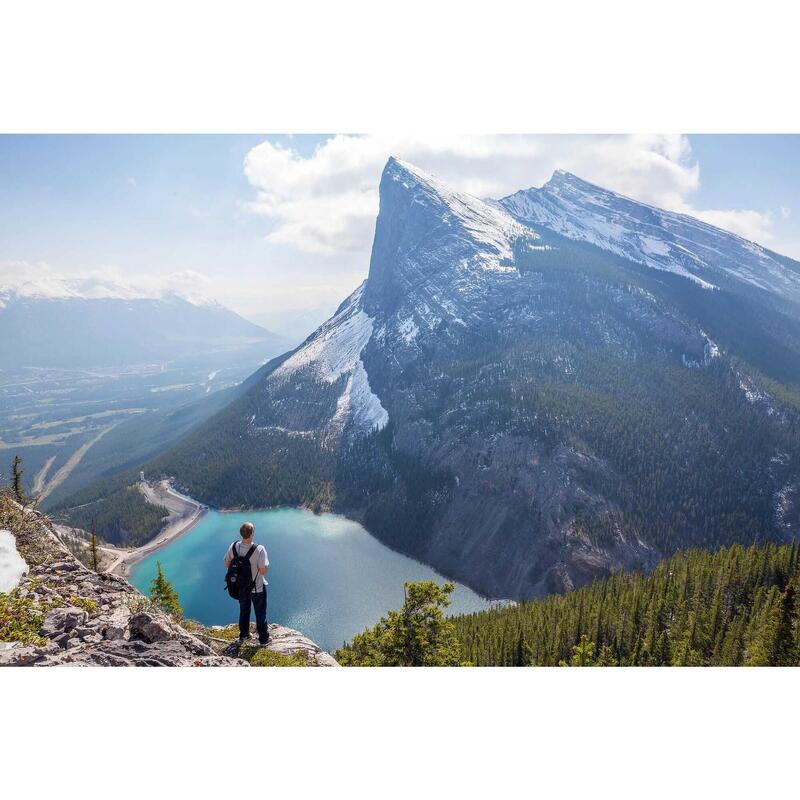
(39, 480)
(73, 461)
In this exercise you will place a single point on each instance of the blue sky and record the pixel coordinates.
(279, 227)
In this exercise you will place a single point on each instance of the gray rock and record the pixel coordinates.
(289, 642)
(112, 632)
(65, 566)
(146, 627)
(15, 654)
(61, 620)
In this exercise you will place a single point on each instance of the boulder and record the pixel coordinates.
(146, 627)
(62, 620)
(14, 654)
(112, 632)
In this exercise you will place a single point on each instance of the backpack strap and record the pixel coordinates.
(249, 552)
(234, 553)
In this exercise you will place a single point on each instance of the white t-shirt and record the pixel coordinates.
(257, 560)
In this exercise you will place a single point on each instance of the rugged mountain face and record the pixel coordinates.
(525, 403)
(75, 331)
(660, 239)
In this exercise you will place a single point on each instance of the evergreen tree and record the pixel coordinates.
(731, 607)
(93, 549)
(19, 491)
(582, 654)
(522, 655)
(418, 635)
(163, 593)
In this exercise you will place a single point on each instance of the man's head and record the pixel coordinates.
(247, 530)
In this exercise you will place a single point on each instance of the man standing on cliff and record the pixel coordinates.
(257, 595)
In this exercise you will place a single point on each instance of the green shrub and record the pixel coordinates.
(86, 603)
(261, 657)
(20, 620)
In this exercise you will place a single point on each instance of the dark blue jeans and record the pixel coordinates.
(259, 603)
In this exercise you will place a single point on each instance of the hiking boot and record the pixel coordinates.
(264, 642)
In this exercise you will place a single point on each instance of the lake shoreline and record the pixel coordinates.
(329, 577)
(185, 513)
(163, 493)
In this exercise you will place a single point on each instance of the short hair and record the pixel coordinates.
(247, 530)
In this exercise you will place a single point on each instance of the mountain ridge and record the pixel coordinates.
(578, 209)
(543, 410)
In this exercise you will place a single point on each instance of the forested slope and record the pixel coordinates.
(734, 607)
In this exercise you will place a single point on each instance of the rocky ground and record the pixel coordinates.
(63, 613)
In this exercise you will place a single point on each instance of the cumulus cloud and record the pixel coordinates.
(39, 279)
(326, 202)
(754, 225)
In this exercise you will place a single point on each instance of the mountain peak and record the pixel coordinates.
(426, 227)
(561, 178)
(488, 225)
(657, 238)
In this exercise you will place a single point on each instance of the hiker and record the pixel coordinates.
(247, 563)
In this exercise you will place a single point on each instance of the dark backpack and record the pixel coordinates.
(239, 577)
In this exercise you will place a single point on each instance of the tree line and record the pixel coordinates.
(736, 606)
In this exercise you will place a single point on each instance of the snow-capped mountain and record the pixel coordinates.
(46, 286)
(527, 403)
(73, 324)
(660, 239)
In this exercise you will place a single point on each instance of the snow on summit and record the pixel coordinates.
(488, 225)
(660, 239)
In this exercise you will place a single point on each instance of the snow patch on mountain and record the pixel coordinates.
(651, 236)
(12, 564)
(336, 346)
(359, 405)
(335, 350)
(408, 330)
(487, 224)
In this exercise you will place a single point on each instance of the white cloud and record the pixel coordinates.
(754, 225)
(39, 279)
(327, 202)
(785, 212)
(132, 181)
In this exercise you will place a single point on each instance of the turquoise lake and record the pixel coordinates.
(328, 577)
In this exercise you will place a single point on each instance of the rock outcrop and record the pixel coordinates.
(75, 616)
(289, 643)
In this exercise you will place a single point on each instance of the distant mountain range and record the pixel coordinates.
(531, 392)
(74, 326)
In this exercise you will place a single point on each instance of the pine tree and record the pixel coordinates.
(93, 548)
(786, 649)
(19, 492)
(419, 635)
(582, 654)
(163, 593)
(606, 658)
(522, 654)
